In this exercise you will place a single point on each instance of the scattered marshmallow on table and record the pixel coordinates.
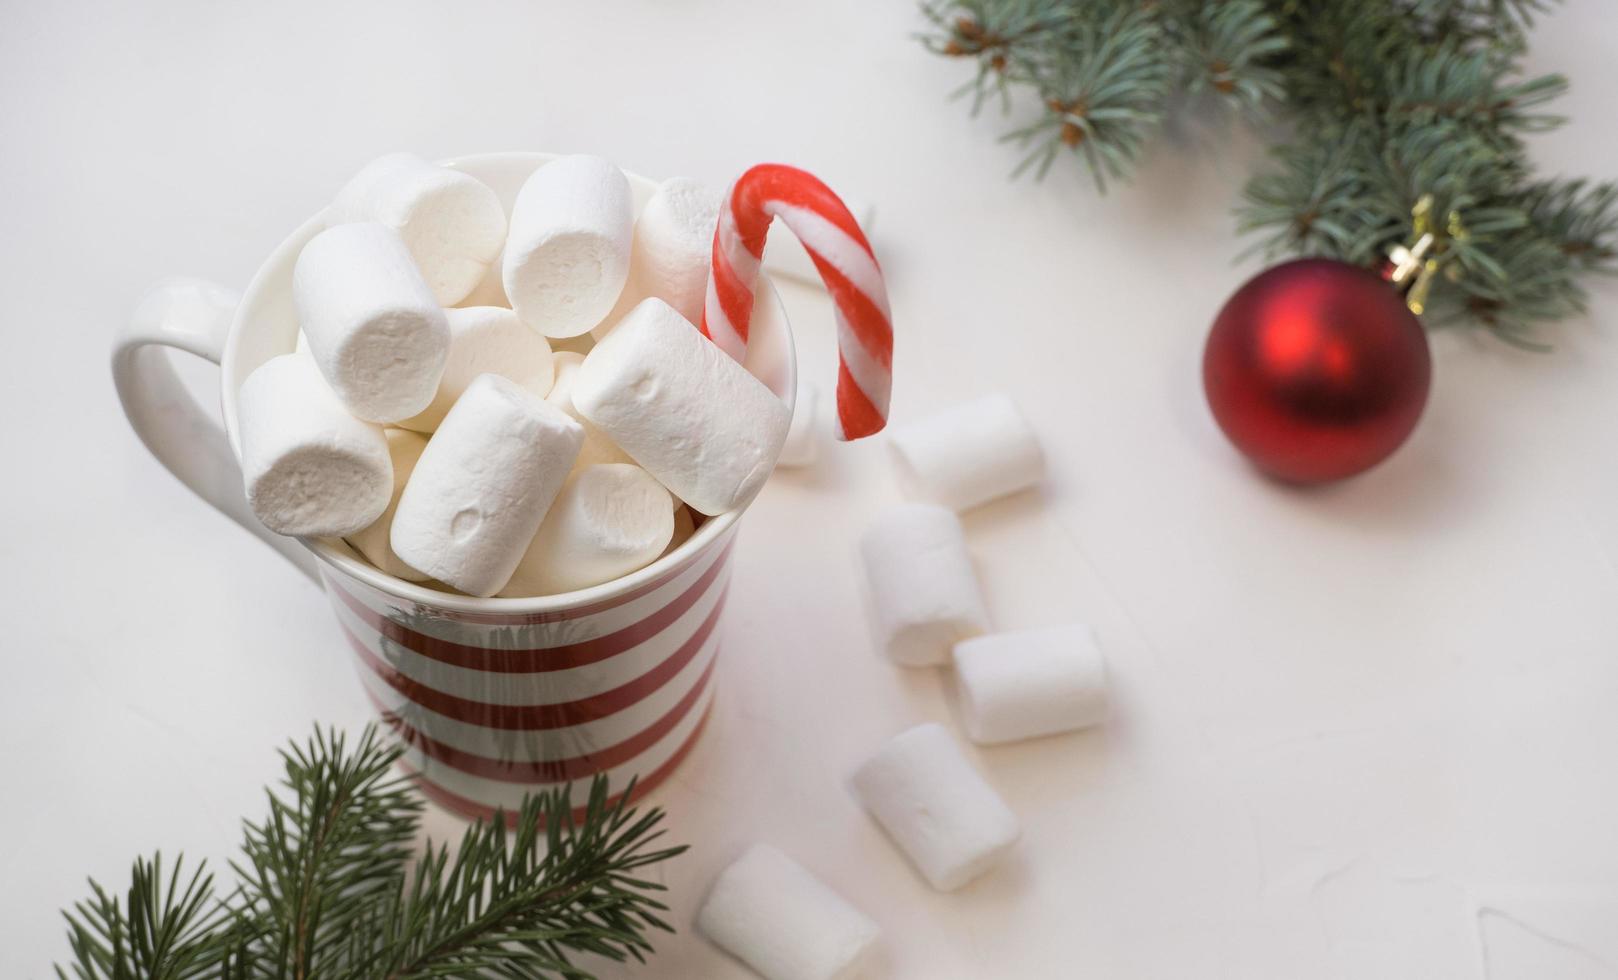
(769, 912)
(935, 806)
(969, 454)
(567, 255)
(1030, 683)
(485, 340)
(404, 448)
(452, 223)
(372, 324)
(672, 251)
(310, 468)
(483, 485)
(609, 520)
(924, 594)
(598, 446)
(682, 408)
(802, 446)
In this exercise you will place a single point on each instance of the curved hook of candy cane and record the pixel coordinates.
(846, 264)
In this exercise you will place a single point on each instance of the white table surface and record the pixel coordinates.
(1363, 733)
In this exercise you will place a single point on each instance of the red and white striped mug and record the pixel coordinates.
(491, 697)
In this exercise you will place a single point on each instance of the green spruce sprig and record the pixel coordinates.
(332, 846)
(1391, 110)
(165, 929)
(325, 892)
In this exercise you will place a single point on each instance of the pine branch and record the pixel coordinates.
(1472, 21)
(324, 893)
(522, 906)
(1581, 219)
(322, 856)
(1392, 108)
(1451, 84)
(1228, 49)
(1314, 200)
(1094, 67)
(164, 930)
(1006, 39)
(1102, 87)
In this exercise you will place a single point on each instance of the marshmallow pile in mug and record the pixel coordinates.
(512, 407)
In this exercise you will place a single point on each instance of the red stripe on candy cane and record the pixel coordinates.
(854, 410)
(726, 320)
(846, 263)
(768, 186)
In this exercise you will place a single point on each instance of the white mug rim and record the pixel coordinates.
(339, 557)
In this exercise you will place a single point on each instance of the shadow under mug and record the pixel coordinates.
(490, 698)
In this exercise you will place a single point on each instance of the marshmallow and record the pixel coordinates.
(485, 340)
(452, 223)
(1030, 683)
(935, 806)
(483, 485)
(969, 454)
(598, 447)
(801, 447)
(404, 448)
(311, 469)
(567, 257)
(924, 594)
(490, 290)
(684, 526)
(779, 919)
(687, 412)
(609, 520)
(372, 324)
(673, 249)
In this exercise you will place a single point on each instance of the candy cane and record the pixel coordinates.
(846, 263)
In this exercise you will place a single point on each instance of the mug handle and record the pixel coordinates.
(193, 315)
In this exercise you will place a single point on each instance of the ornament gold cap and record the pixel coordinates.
(1414, 265)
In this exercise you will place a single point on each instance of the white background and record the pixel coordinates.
(1365, 732)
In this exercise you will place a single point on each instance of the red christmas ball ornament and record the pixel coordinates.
(1317, 370)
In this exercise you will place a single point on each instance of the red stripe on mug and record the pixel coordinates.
(538, 717)
(535, 660)
(456, 803)
(548, 771)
